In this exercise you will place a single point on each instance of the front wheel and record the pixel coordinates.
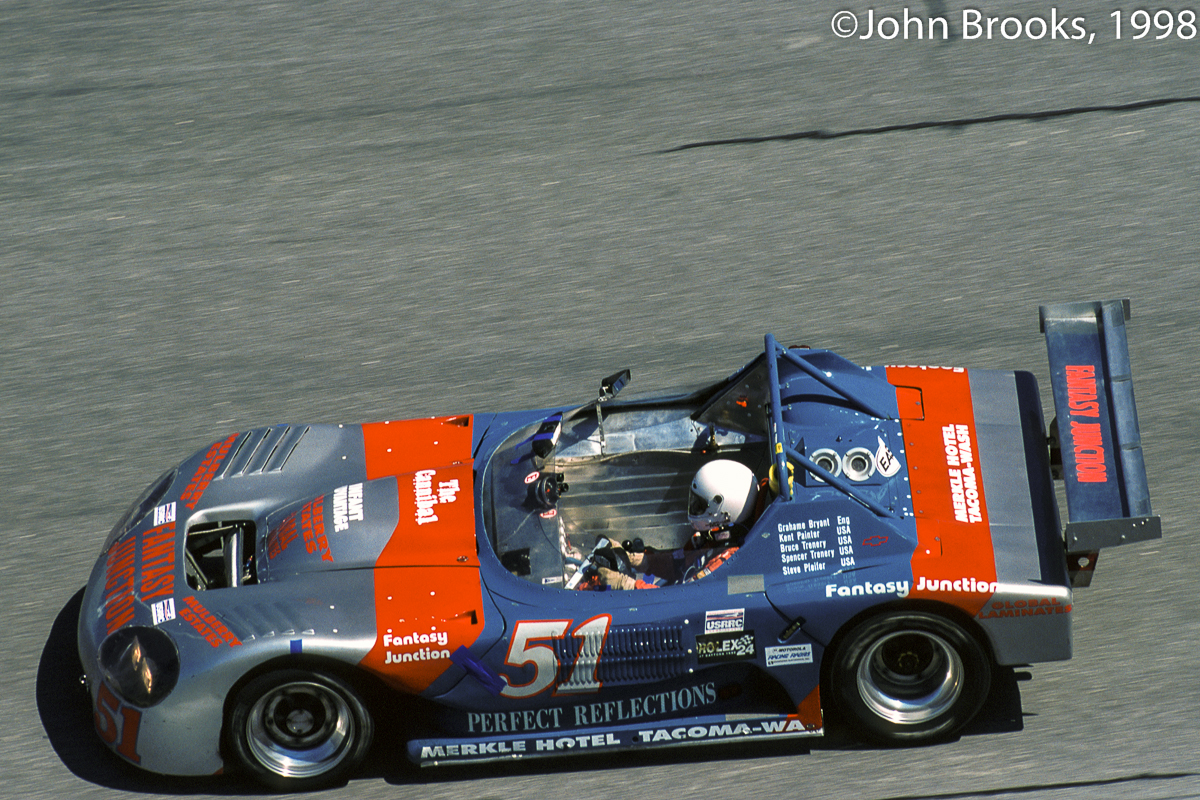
(909, 678)
(298, 729)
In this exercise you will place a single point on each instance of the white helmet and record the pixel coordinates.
(723, 492)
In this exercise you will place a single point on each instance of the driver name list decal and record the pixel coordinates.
(804, 547)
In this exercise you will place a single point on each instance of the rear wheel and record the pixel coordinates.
(299, 729)
(909, 678)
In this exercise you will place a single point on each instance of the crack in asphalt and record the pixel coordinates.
(1044, 787)
(1025, 116)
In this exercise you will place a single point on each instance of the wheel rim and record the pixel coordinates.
(910, 677)
(300, 729)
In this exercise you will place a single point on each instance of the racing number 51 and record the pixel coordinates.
(592, 634)
(108, 709)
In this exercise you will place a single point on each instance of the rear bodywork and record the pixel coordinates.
(418, 557)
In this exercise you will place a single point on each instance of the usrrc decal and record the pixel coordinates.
(730, 619)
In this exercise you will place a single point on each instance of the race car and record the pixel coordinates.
(266, 603)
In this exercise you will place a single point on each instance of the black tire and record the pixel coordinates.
(908, 678)
(296, 730)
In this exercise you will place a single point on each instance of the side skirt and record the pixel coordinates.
(664, 733)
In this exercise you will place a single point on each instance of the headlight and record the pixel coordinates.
(141, 664)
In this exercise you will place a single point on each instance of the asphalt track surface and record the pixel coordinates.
(214, 216)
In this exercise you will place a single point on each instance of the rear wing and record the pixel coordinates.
(1108, 500)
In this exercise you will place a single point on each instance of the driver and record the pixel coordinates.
(722, 504)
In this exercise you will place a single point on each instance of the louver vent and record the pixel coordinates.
(631, 654)
(262, 450)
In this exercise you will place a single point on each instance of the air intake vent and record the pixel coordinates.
(632, 654)
(262, 450)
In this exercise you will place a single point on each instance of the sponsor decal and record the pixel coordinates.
(875, 541)
(886, 460)
(158, 562)
(312, 528)
(347, 506)
(688, 699)
(624, 739)
(204, 473)
(788, 725)
(1086, 438)
(424, 654)
(153, 556)
(789, 654)
(283, 535)
(898, 588)
(730, 619)
(1033, 607)
(1087, 442)
(964, 482)
(164, 514)
(652, 705)
(541, 719)
(434, 637)
(926, 368)
(118, 585)
(428, 495)
(958, 585)
(717, 648)
(440, 638)
(163, 610)
(1081, 391)
(207, 625)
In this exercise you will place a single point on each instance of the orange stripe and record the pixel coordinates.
(401, 446)
(428, 597)
(809, 710)
(954, 541)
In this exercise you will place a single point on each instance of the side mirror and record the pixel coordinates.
(613, 384)
(547, 435)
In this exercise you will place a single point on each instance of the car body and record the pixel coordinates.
(269, 598)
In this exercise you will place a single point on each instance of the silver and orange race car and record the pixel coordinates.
(267, 601)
